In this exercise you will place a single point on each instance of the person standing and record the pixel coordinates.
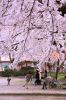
(45, 80)
(8, 80)
(45, 74)
(37, 77)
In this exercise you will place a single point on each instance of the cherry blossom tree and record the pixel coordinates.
(32, 29)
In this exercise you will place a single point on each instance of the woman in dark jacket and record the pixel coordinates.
(45, 81)
(45, 74)
(37, 76)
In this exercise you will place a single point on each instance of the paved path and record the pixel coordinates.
(16, 86)
(16, 91)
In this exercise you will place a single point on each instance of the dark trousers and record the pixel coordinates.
(44, 85)
(38, 82)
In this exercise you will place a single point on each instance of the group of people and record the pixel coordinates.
(37, 79)
(46, 79)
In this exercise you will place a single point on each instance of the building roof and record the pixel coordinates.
(26, 62)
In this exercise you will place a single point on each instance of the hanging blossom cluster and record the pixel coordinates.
(32, 29)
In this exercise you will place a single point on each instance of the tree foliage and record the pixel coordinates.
(31, 29)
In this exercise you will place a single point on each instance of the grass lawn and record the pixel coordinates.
(60, 75)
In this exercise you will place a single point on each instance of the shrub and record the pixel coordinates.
(21, 72)
(6, 73)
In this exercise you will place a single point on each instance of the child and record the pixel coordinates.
(8, 79)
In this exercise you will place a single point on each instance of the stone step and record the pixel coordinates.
(32, 96)
(34, 93)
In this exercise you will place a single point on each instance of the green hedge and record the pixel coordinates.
(14, 72)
